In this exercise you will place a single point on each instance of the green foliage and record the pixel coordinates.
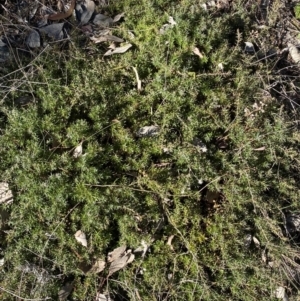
(125, 189)
(297, 11)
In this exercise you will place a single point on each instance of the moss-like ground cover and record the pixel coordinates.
(197, 208)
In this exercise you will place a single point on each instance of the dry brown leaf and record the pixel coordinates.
(102, 297)
(259, 149)
(77, 151)
(264, 256)
(105, 38)
(116, 253)
(118, 50)
(118, 17)
(256, 242)
(97, 267)
(81, 238)
(130, 257)
(65, 291)
(112, 46)
(6, 196)
(97, 40)
(294, 53)
(118, 264)
(148, 131)
(280, 293)
(197, 52)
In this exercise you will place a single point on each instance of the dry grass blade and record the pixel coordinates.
(139, 82)
(169, 242)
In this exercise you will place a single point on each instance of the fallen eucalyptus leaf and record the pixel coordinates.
(33, 40)
(256, 242)
(116, 253)
(54, 31)
(264, 256)
(98, 40)
(294, 53)
(81, 238)
(103, 21)
(131, 257)
(249, 47)
(87, 12)
(220, 66)
(97, 267)
(105, 38)
(6, 196)
(77, 151)
(120, 263)
(117, 265)
(65, 291)
(259, 149)
(118, 17)
(148, 131)
(197, 52)
(118, 50)
(131, 35)
(280, 293)
(102, 297)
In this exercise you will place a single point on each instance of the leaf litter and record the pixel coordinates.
(6, 196)
(148, 131)
(78, 151)
(116, 253)
(171, 23)
(81, 238)
(65, 291)
(119, 258)
(118, 50)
